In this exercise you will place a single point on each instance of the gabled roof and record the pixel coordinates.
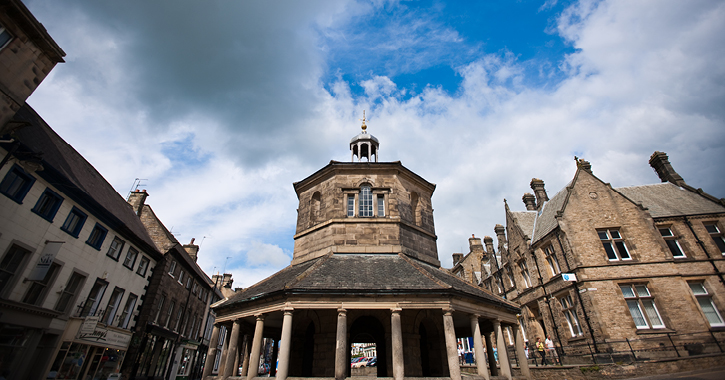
(364, 274)
(546, 219)
(525, 220)
(71, 174)
(666, 199)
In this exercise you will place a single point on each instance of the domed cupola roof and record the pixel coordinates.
(364, 145)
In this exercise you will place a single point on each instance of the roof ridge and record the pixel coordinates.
(424, 272)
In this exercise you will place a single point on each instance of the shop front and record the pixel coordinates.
(89, 350)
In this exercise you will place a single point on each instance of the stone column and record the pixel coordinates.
(285, 345)
(225, 351)
(451, 345)
(341, 363)
(256, 348)
(503, 358)
(491, 356)
(232, 350)
(211, 353)
(245, 356)
(397, 343)
(521, 353)
(478, 348)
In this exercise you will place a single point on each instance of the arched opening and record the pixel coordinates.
(365, 200)
(431, 352)
(368, 329)
(308, 354)
(315, 207)
(415, 208)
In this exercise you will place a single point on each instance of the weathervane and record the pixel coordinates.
(364, 127)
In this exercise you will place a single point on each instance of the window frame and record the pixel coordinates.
(569, 310)
(16, 191)
(350, 205)
(380, 205)
(550, 255)
(44, 208)
(143, 266)
(180, 279)
(672, 242)
(90, 310)
(4, 30)
(112, 306)
(77, 226)
(365, 202)
(128, 254)
(169, 312)
(97, 236)
(640, 300)
(172, 268)
(717, 236)
(706, 297)
(44, 285)
(70, 296)
(159, 307)
(128, 310)
(524, 268)
(12, 277)
(614, 247)
(110, 251)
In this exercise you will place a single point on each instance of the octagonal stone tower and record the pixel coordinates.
(365, 207)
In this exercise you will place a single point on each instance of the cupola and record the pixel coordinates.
(364, 145)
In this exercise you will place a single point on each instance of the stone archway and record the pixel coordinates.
(432, 355)
(368, 329)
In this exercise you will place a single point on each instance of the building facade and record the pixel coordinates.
(633, 271)
(365, 270)
(74, 262)
(171, 338)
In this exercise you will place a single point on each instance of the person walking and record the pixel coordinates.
(540, 350)
(550, 349)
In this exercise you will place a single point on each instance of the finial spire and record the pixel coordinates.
(364, 127)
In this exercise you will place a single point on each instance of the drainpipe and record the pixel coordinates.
(548, 301)
(579, 296)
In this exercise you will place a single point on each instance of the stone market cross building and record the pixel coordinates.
(365, 269)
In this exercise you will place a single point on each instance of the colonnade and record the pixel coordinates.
(230, 356)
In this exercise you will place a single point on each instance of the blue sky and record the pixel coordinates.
(221, 106)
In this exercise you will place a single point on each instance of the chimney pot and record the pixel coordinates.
(530, 201)
(661, 164)
(538, 186)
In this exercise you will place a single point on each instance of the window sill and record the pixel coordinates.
(93, 246)
(113, 258)
(655, 331)
(70, 233)
(577, 338)
(46, 218)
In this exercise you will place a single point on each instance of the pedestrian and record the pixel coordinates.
(540, 350)
(550, 350)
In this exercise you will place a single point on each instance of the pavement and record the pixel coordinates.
(704, 374)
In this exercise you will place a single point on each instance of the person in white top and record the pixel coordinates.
(550, 350)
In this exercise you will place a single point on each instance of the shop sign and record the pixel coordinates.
(45, 260)
(89, 325)
(106, 337)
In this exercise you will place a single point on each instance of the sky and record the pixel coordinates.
(219, 106)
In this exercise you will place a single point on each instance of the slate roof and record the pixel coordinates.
(525, 220)
(364, 274)
(667, 199)
(546, 220)
(70, 173)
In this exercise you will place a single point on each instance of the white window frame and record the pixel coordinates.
(172, 268)
(716, 235)
(638, 297)
(350, 205)
(380, 205)
(572, 319)
(613, 239)
(127, 311)
(112, 307)
(551, 259)
(671, 241)
(365, 202)
(704, 298)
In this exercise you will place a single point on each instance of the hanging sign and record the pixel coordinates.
(46, 259)
(568, 277)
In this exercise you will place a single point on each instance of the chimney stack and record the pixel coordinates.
(137, 199)
(457, 257)
(538, 186)
(530, 201)
(192, 249)
(474, 244)
(661, 164)
(500, 236)
(489, 245)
